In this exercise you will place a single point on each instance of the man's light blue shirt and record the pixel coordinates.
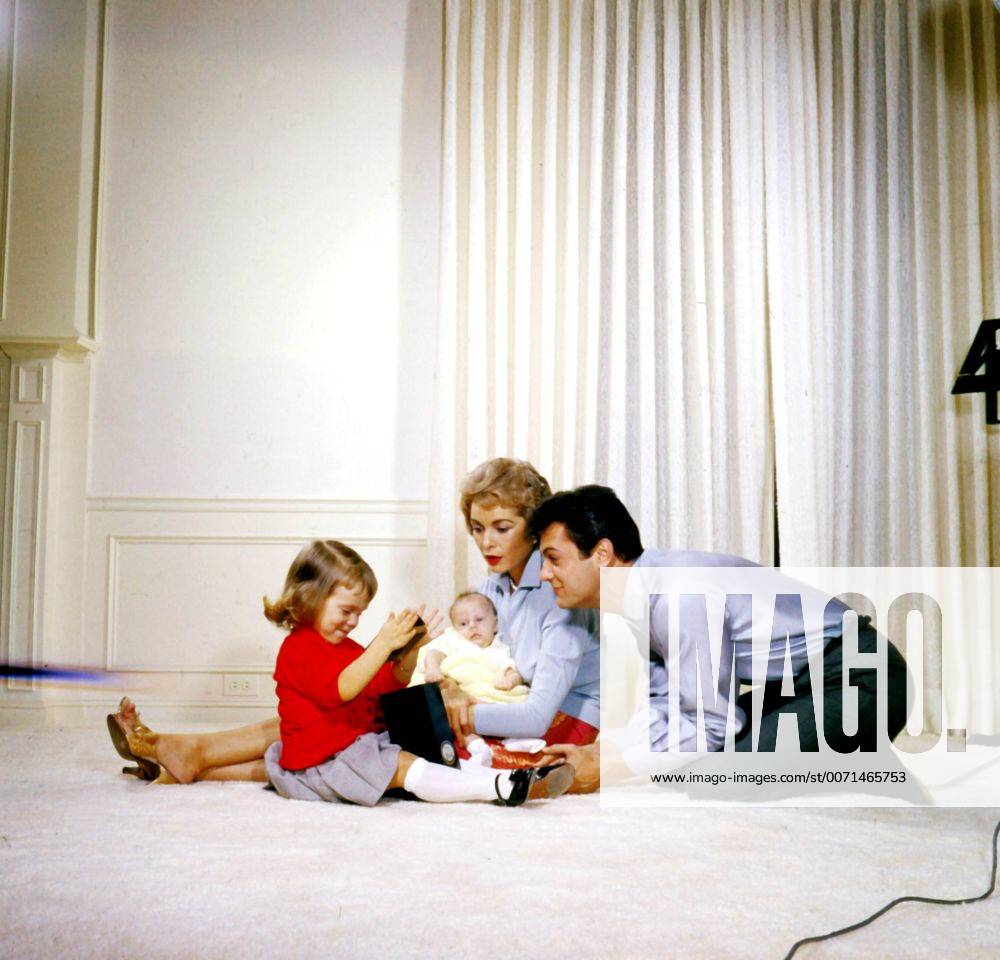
(556, 651)
(786, 635)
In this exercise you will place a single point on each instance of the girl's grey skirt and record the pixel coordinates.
(360, 773)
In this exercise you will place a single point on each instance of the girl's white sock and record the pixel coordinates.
(440, 784)
(473, 763)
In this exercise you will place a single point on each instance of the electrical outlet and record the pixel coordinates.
(240, 685)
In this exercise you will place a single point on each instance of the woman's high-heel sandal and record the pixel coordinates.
(146, 766)
(141, 740)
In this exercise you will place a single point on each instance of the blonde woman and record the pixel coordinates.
(556, 651)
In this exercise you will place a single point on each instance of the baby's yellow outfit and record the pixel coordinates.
(472, 667)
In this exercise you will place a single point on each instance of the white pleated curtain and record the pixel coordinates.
(691, 247)
(882, 126)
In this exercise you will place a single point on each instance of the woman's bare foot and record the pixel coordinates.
(178, 755)
(174, 753)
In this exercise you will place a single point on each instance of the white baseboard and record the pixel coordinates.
(161, 715)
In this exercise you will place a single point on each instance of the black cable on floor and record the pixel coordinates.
(889, 906)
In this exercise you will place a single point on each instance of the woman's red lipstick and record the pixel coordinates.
(492, 561)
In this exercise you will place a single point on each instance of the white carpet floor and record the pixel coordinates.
(96, 865)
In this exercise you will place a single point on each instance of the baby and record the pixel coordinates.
(472, 654)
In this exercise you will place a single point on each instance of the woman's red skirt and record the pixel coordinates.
(564, 729)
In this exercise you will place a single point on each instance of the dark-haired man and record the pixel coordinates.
(583, 530)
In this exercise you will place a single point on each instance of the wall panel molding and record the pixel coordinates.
(22, 618)
(162, 713)
(5, 391)
(53, 99)
(43, 436)
(173, 585)
(97, 195)
(238, 505)
(7, 72)
(30, 385)
(114, 595)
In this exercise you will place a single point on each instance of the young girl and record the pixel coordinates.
(333, 743)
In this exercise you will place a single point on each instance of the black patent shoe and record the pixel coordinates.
(537, 783)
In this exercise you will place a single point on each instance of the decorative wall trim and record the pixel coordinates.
(90, 132)
(236, 505)
(83, 701)
(46, 348)
(30, 385)
(122, 531)
(97, 206)
(21, 588)
(8, 127)
(5, 391)
(113, 593)
(163, 713)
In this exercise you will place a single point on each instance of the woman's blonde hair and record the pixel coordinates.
(319, 568)
(503, 482)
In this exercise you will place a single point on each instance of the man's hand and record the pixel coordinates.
(459, 706)
(586, 761)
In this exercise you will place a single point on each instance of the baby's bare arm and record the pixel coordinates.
(403, 670)
(432, 666)
(508, 680)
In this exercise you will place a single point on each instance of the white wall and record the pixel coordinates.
(268, 254)
(261, 183)
(267, 293)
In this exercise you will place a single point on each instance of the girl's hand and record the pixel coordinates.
(397, 632)
(434, 619)
(430, 626)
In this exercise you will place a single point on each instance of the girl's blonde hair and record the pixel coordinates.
(503, 482)
(315, 573)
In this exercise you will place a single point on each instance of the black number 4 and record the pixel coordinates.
(983, 355)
